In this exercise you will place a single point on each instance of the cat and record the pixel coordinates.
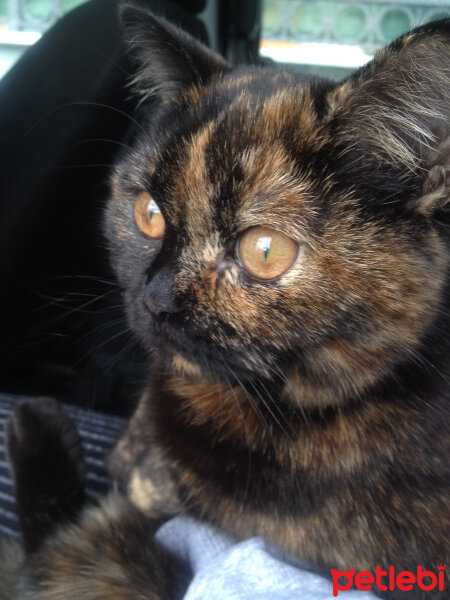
(283, 247)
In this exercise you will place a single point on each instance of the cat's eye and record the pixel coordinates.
(148, 216)
(266, 253)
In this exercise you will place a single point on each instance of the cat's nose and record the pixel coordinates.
(159, 295)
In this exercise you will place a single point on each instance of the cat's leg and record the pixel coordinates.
(11, 561)
(132, 444)
(138, 464)
(107, 552)
(47, 467)
(152, 488)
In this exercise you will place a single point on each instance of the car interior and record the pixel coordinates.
(65, 109)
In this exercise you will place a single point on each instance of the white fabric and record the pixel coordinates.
(251, 570)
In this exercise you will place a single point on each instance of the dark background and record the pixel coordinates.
(65, 110)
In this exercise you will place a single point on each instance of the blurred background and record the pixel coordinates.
(327, 38)
(65, 113)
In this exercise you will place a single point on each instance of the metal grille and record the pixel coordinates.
(33, 15)
(369, 25)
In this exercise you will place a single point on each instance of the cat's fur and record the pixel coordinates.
(311, 409)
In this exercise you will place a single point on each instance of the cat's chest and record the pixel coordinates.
(235, 438)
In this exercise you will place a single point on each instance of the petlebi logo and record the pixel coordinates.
(389, 579)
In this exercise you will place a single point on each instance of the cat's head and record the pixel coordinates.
(265, 227)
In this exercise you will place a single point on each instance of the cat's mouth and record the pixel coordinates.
(179, 336)
(175, 334)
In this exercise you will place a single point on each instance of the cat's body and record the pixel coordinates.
(301, 385)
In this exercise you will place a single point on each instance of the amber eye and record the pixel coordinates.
(266, 253)
(148, 216)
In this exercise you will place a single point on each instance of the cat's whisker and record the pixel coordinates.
(425, 362)
(118, 357)
(62, 302)
(44, 326)
(254, 405)
(75, 310)
(100, 328)
(88, 166)
(79, 339)
(99, 140)
(238, 404)
(84, 277)
(101, 345)
(279, 373)
(108, 59)
(219, 392)
(86, 104)
(266, 404)
(281, 414)
(63, 278)
(247, 435)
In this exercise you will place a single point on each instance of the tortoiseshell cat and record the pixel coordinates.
(284, 250)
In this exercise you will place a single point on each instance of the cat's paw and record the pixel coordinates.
(152, 488)
(46, 463)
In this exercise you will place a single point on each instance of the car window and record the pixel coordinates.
(22, 23)
(331, 38)
(328, 38)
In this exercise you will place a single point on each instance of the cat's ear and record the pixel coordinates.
(393, 118)
(169, 59)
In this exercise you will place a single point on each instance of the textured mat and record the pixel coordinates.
(98, 433)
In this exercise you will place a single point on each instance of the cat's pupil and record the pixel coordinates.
(265, 253)
(264, 244)
(152, 209)
(148, 216)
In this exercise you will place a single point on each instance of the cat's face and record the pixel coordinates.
(257, 236)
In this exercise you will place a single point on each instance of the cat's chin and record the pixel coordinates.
(203, 363)
(200, 360)
(197, 354)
